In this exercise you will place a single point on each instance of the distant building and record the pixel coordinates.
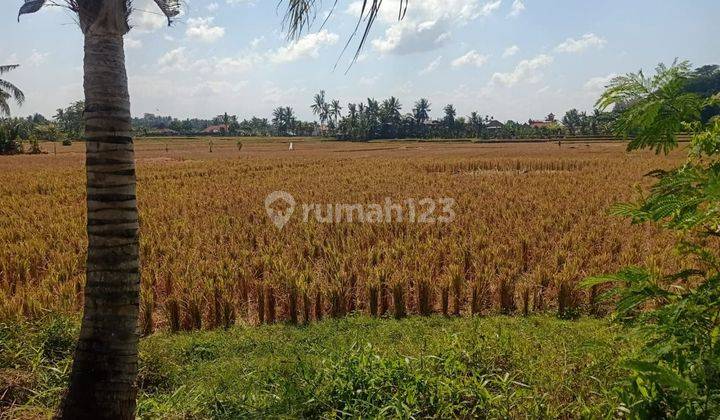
(494, 125)
(216, 129)
(549, 122)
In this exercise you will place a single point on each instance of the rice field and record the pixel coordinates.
(531, 220)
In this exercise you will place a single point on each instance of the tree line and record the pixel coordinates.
(369, 120)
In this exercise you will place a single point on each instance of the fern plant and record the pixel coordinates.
(678, 374)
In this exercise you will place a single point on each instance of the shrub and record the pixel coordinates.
(678, 374)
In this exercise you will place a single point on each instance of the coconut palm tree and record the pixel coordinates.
(319, 106)
(449, 119)
(335, 110)
(390, 117)
(421, 114)
(391, 107)
(106, 357)
(421, 111)
(9, 91)
(476, 124)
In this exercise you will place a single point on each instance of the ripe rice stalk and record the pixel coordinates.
(293, 304)
(507, 295)
(526, 300)
(373, 300)
(261, 303)
(424, 297)
(398, 293)
(445, 300)
(226, 267)
(146, 314)
(270, 308)
(194, 314)
(306, 307)
(457, 278)
(318, 305)
(228, 315)
(172, 313)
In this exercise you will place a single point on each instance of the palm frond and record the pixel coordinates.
(170, 8)
(12, 90)
(7, 68)
(301, 14)
(4, 107)
(30, 6)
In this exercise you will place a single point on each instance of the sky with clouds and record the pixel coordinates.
(513, 59)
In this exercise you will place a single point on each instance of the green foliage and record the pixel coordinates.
(12, 132)
(679, 313)
(500, 367)
(35, 361)
(70, 120)
(47, 132)
(655, 108)
(9, 91)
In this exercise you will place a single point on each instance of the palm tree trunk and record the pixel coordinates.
(102, 382)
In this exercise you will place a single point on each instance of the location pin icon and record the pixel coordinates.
(278, 217)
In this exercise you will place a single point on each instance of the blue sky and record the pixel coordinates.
(513, 59)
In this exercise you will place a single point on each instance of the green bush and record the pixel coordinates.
(678, 373)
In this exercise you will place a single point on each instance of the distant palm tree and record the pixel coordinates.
(102, 379)
(319, 106)
(352, 111)
(421, 111)
(9, 91)
(336, 110)
(449, 119)
(450, 113)
(284, 120)
(391, 108)
(475, 121)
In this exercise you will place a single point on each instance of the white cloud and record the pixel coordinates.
(276, 95)
(409, 37)
(37, 58)
(256, 42)
(307, 46)
(202, 29)
(427, 25)
(369, 80)
(145, 17)
(517, 7)
(489, 7)
(525, 71)
(510, 51)
(212, 7)
(471, 58)
(131, 42)
(174, 58)
(216, 87)
(431, 67)
(598, 84)
(179, 60)
(228, 65)
(588, 40)
(456, 10)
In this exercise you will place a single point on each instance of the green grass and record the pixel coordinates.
(356, 367)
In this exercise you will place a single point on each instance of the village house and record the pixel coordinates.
(216, 129)
(550, 122)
